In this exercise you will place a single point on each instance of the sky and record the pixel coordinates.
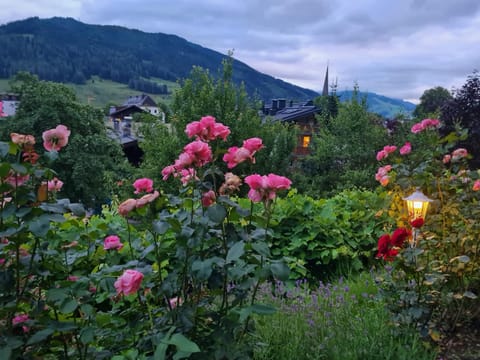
(394, 48)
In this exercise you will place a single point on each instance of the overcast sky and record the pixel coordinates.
(394, 48)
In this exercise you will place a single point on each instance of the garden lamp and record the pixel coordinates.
(417, 205)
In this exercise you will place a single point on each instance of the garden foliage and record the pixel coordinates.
(174, 276)
(435, 280)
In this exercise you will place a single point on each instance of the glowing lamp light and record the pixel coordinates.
(417, 205)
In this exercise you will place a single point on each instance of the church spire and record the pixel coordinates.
(325, 84)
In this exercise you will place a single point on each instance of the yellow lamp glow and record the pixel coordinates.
(417, 205)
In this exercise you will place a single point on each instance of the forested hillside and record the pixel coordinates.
(66, 50)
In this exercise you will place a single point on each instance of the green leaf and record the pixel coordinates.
(5, 352)
(237, 250)
(217, 213)
(40, 336)
(68, 306)
(56, 295)
(40, 226)
(261, 248)
(161, 227)
(87, 335)
(19, 168)
(183, 344)
(280, 270)
(4, 147)
(77, 209)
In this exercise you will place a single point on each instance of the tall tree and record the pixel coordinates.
(431, 102)
(90, 157)
(343, 152)
(464, 110)
(203, 94)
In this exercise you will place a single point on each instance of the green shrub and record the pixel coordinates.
(328, 237)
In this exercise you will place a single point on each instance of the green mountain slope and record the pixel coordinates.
(66, 50)
(379, 104)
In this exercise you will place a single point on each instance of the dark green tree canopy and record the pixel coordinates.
(464, 110)
(431, 102)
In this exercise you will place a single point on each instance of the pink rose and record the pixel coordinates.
(207, 129)
(382, 154)
(125, 207)
(129, 282)
(446, 159)
(416, 128)
(73, 278)
(459, 154)
(476, 185)
(146, 199)
(208, 198)
(187, 175)
(406, 149)
(55, 139)
(167, 171)
(20, 319)
(174, 302)
(54, 185)
(390, 149)
(199, 153)
(143, 185)
(22, 140)
(253, 144)
(263, 188)
(112, 242)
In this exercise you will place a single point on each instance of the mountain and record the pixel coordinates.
(66, 50)
(385, 106)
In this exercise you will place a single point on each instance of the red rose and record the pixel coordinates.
(417, 223)
(399, 236)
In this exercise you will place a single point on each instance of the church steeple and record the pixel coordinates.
(325, 84)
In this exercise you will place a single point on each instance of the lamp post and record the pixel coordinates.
(417, 206)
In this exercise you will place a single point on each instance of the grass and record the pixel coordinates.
(100, 92)
(339, 321)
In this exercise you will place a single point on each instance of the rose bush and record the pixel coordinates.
(435, 279)
(154, 276)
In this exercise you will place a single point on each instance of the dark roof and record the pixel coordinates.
(126, 110)
(140, 100)
(294, 112)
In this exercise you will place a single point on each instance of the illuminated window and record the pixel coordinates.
(306, 141)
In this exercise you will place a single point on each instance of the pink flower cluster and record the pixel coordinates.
(129, 282)
(264, 188)
(112, 242)
(195, 154)
(143, 185)
(382, 175)
(425, 124)
(388, 149)
(55, 139)
(237, 155)
(207, 129)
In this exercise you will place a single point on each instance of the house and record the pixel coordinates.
(8, 104)
(300, 114)
(303, 115)
(144, 102)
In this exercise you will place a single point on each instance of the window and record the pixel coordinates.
(306, 141)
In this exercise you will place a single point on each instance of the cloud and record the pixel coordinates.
(396, 49)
